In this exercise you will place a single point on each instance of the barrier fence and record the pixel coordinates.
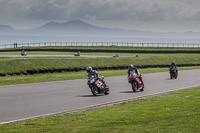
(49, 44)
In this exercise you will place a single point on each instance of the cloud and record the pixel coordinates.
(138, 10)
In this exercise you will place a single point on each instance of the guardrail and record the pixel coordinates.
(126, 44)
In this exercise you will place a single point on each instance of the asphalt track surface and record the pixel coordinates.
(26, 101)
(92, 56)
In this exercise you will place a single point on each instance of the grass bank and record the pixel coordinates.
(23, 79)
(23, 63)
(173, 112)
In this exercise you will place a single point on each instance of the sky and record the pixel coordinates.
(145, 15)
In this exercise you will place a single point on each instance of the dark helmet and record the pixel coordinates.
(173, 63)
(130, 66)
(89, 69)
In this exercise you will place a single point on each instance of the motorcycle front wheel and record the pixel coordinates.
(171, 75)
(142, 87)
(94, 90)
(107, 91)
(134, 86)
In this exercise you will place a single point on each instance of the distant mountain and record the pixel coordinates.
(74, 27)
(78, 27)
(74, 24)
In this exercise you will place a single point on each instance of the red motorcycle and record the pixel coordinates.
(98, 86)
(136, 83)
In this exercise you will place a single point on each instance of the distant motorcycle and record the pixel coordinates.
(173, 72)
(77, 54)
(98, 86)
(23, 53)
(135, 82)
(116, 55)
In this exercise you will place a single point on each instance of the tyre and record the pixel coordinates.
(107, 90)
(171, 76)
(94, 90)
(134, 86)
(176, 75)
(142, 87)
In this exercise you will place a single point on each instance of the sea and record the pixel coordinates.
(20, 39)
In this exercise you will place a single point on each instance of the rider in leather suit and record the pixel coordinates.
(91, 72)
(173, 65)
(133, 69)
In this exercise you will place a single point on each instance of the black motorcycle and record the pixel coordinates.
(98, 86)
(173, 72)
(23, 53)
(77, 54)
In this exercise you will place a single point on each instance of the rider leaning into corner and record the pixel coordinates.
(132, 69)
(91, 72)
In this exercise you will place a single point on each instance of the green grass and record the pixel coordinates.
(30, 63)
(23, 79)
(176, 112)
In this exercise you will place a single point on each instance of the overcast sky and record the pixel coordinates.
(146, 15)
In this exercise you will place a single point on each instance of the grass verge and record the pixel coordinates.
(23, 79)
(8, 65)
(176, 112)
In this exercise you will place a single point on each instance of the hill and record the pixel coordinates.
(80, 28)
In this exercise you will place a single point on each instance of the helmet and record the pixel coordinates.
(130, 66)
(89, 69)
(173, 63)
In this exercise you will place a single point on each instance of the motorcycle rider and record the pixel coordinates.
(23, 52)
(173, 65)
(132, 69)
(91, 72)
(78, 53)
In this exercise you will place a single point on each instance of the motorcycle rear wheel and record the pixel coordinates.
(134, 86)
(176, 75)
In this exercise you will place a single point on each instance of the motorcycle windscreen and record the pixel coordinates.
(92, 81)
(132, 74)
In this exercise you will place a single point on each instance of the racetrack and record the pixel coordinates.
(93, 56)
(20, 102)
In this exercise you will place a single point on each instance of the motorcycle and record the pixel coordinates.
(98, 86)
(23, 53)
(77, 54)
(173, 72)
(136, 83)
(116, 55)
